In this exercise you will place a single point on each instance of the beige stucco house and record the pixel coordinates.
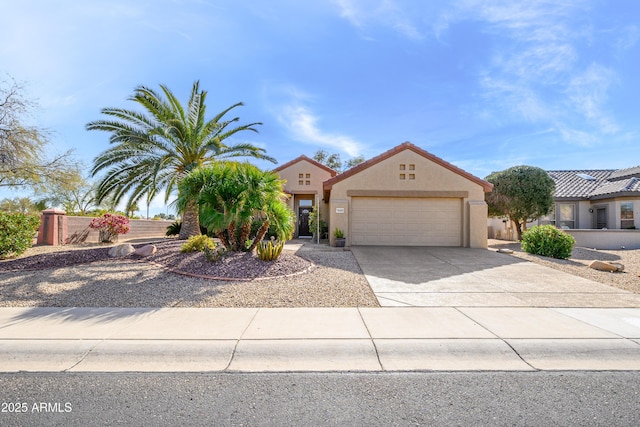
(403, 197)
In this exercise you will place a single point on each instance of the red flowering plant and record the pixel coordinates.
(110, 226)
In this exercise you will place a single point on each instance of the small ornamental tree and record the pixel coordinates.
(110, 226)
(521, 193)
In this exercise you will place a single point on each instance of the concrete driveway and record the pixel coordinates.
(461, 277)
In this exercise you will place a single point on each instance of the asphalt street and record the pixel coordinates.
(353, 399)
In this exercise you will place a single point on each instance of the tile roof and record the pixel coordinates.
(306, 159)
(595, 183)
(625, 173)
(628, 185)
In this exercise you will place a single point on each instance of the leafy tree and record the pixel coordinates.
(231, 197)
(330, 160)
(76, 195)
(334, 162)
(521, 193)
(23, 161)
(153, 150)
(355, 161)
(23, 205)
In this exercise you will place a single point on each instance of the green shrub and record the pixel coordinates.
(16, 233)
(255, 226)
(215, 254)
(174, 229)
(198, 244)
(547, 240)
(269, 250)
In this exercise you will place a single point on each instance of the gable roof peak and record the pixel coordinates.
(397, 149)
(302, 158)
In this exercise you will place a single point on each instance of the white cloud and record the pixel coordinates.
(385, 13)
(290, 105)
(303, 125)
(628, 38)
(536, 72)
(588, 93)
(520, 100)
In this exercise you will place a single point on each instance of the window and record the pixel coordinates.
(305, 203)
(307, 183)
(549, 219)
(626, 215)
(412, 167)
(412, 176)
(300, 175)
(308, 175)
(567, 215)
(403, 176)
(402, 166)
(300, 182)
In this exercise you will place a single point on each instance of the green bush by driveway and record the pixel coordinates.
(547, 240)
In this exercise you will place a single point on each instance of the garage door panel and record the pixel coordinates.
(406, 221)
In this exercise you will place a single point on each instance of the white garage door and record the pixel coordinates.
(406, 221)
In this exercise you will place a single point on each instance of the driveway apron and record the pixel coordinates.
(462, 277)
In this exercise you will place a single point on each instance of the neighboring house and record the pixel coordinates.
(403, 197)
(596, 199)
(601, 205)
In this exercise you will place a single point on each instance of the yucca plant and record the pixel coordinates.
(270, 250)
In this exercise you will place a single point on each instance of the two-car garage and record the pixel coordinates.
(407, 197)
(406, 221)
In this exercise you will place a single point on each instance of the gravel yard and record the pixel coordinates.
(581, 257)
(311, 276)
(326, 278)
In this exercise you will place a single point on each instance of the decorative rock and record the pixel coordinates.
(123, 250)
(147, 250)
(606, 266)
(505, 251)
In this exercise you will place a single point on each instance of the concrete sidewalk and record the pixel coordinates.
(319, 339)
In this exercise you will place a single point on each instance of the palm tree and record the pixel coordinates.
(154, 150)
(232, 196)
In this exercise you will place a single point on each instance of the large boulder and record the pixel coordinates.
(146, 250)
(606, 266)
(122, 250)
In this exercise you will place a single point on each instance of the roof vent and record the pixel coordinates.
(585, 176)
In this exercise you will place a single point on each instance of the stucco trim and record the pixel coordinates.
(305, 158)
(621, 195)
(302, 192)
(409, 194)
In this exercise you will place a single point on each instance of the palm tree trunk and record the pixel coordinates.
(245, 230)
(259, 235)
(223, 239)
(190, 221)
(233, 241)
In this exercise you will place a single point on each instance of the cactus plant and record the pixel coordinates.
(270, 250)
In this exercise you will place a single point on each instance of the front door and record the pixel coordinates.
(601, 218)
(303, 221)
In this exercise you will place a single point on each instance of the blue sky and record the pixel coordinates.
(483, 84)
